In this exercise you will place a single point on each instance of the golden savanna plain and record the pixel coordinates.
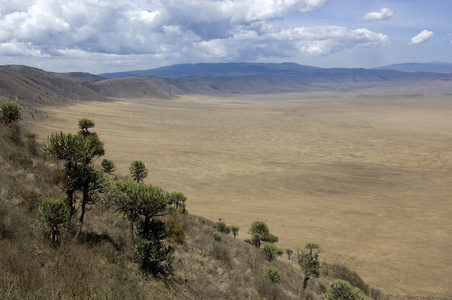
(366, 174)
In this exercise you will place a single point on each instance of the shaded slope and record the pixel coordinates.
(33, 87)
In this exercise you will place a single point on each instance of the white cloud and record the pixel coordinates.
(422, 37)
(162, 32)
(383, 14)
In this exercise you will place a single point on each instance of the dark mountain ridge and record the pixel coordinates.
(34, 87)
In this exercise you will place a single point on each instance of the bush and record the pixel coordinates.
(54, 214)
(343, 290)
(270, 250)
(274, 274)
(222, 227)
(235, 230)
(10, 112)
(175, 228)
(217, 236)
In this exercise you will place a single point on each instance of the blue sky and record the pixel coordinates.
(99, 36)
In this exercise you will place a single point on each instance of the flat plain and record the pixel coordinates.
(367, 175)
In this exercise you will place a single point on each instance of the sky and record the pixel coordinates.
(100, 36)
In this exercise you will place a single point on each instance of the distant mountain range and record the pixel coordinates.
(433, 67)
(32, 87)
(282, 69)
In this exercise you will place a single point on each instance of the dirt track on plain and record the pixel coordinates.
(368, 177)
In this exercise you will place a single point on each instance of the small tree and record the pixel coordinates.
(289, 253)
(259, 227)
(309, 262)
(177, 200)
(222, 227)
(217, 236)
(108, 166)
(235, 230)
(10, 112)
(256, 240)
(53, 213)
(138, 171)
(84, 125)
(274, 274)
(270, 250)
(343, 290)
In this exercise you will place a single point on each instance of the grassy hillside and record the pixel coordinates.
(99, 263)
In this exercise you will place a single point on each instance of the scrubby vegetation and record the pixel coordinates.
(138, 241)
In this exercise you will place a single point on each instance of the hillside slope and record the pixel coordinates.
(99, 263)
(34, 87)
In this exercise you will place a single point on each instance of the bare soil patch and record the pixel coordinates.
(366, 176)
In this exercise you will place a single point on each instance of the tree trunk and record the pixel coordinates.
(305, 282)
(70, 204)
(83, 208)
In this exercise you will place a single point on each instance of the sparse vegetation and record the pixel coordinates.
(274, 274)
(138, 171)
(108, 166)
(98, 262)
(309, 261)
(53, 213)
(10, 112)
(342, 290)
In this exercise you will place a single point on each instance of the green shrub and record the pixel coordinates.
(10, 112)
(222, 227)
(270, 250)
(274, 274)
(217, 236)
(235, 230)
(343, 290)
(54, 214)
(175, 228)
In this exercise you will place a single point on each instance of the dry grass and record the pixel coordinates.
(366, 176)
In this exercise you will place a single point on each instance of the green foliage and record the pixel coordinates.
(78, 152)
(84, 125)
(153, 256)
(235, 230)
(222, 227)
(309, 261)
(289, 253)
(270, 250)
(175, 228)
(142, 203)
(256, 240)
(10, 112)
(322, 287)
(217, 236)
(274, 274)
(53, 213)
(177, 200)
(260, 228)
(108, 166)
(271, 238)
(343, 290)
(138, 171)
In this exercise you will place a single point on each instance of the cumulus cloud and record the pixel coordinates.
(422, 37)
(383, 14)
(128, 31)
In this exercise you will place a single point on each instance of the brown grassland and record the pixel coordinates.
(365, 174)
